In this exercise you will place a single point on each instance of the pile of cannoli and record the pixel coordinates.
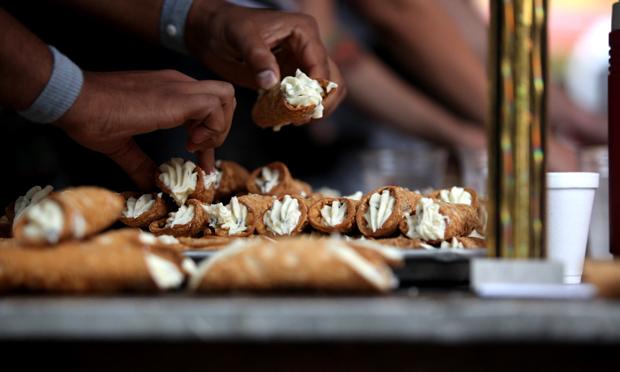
(270, 231)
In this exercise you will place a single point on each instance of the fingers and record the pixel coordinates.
(306, 45)
(135, 163)
(257, 55)
(210, 122)
(206, 160)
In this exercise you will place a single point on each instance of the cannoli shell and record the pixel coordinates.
(475, 202)
(470, 242)
(158, 211)
(405, 202)
(233, 181)
(262, 229)
(461, 219)
(316, 219)
(285, 180)
(256, 205)
(207, 242)
(401, 242)
(272, 109)
(189, 229)
(99, 208)
(105, 264)
(292, 264)
(201, 193)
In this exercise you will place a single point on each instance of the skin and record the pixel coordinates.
(235, 42)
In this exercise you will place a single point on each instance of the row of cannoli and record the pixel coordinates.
(133, 260)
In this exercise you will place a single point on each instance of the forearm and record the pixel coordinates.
(25, 64)
(423, 36)
(399, 105)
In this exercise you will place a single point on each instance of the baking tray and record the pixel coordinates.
(422, 266)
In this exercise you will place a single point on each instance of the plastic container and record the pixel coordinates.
(570, 197)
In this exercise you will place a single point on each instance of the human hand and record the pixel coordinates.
(254, 48)
(113, 107)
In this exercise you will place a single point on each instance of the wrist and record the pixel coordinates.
(198, 19)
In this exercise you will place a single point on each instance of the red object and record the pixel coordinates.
(614, 141)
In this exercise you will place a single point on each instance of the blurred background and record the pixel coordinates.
(414, 116)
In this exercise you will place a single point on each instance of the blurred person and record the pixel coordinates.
(104, 111)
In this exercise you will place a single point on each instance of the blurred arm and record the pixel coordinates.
(21, 80)
(422, 35)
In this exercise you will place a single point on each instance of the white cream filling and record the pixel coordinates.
(380, 207)
(301, 90)
(357, 196)
(180, 177)
(134, 208)
(183, 216)
(150, 239)
(456, 195)
(427, 223)
(283, 216)
(333, 214)
(212, 179)
(360, 265)
(455, 243)
(268, 179)
(164, 273)
(231, 217)
(32, 196)
(329, 192)
(45, 220)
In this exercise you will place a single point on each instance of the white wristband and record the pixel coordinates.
(172, 24)
(59, 94)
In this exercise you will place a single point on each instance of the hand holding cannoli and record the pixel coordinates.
(296, 100)
(380, 211)
(286, 216)
(141, 210)
(73, 213)
(188, 220)
(436, 221)
(275, 179)
(182, 180)
(302, 263)
(232, 179)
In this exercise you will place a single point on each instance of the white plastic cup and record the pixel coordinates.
(570, 196)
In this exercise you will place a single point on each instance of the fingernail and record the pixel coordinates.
(266, 79)
(200, 135)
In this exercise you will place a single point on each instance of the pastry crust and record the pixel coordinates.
(470, 242)
(262, 229)
(461, 220)
(401, 242)
(233, 180)
(86, 211)
(292, 264)
(475, 202)
(256, 205)
(316, 219)
(286, 183)
(201, 193)
(405, 202)
(190, 229)
(272, 109)
(109, 263)
(158, 211)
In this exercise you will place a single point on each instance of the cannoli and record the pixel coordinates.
(381, 210)
(141, 210)
(32, 196)
(207, 242)
(464, 242)
(400, 242)
(239, 217)
(109, 263)
(300, 263)
(275, 179)
(286, 216)
(232, 178)
(333, 215)
(188, 220)
(435, 221)
(182, 180)
(73, 213)
(296, 100)
(467, 196)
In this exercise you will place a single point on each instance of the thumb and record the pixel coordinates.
(258, 57)
(130, 157)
